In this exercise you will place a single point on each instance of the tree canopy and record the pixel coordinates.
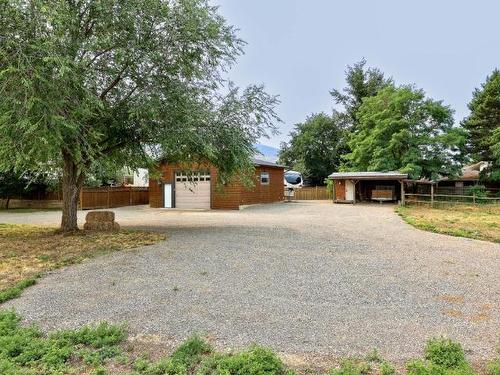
(316, 147)
(85, 82)
(483, 125)
(401, 129)
(361, 83)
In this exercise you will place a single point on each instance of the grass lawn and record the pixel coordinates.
(28, 251)
(480, 222)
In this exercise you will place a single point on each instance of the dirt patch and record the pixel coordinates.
(26, 251)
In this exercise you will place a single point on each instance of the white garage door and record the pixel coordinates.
(192, 190)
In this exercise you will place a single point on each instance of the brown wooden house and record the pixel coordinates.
(195, 187)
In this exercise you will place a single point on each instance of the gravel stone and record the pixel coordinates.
(305, 277)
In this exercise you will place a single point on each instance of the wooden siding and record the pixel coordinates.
(339, 190)
(228, 197)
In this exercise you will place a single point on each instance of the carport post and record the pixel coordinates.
(333, 191)
(402, 192)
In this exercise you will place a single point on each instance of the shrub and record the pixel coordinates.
(444, 352)
(442, 357)
(253, 361)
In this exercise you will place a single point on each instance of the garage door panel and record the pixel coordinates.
(194, 193)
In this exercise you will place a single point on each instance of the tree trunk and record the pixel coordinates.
(71, 185)
(7, 203)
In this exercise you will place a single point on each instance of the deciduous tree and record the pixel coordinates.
(401, 129)
(88, 81)
(316, 147)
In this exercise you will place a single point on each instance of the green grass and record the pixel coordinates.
(16, 290)
(480, 222)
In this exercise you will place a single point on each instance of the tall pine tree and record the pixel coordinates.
(483, 125)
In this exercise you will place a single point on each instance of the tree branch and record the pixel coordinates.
(114, 82)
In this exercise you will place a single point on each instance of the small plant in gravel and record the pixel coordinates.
(254, 361)
(182, 361)
(350, 367)
(387, 368)
(442, 357)
(374, 356)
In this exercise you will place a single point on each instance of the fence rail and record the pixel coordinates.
(312, 193)
(436, 199)
(108, 197)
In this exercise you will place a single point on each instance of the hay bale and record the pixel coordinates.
(101, 221)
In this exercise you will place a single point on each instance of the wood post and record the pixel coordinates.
(402, 192)
(432, 194)
(109, 188)
(333, 191)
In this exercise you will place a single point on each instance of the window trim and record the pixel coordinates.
(268, 178)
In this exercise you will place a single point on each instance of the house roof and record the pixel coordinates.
(368, 176)
(265, 163)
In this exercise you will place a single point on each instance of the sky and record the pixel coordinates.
(300, 49)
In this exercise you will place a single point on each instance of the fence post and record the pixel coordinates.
(474, 198)
(316, 192)
(109, 191)
(432, 195)
(130, 195)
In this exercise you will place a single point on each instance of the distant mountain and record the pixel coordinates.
(269, 153)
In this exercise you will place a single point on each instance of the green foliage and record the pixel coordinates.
(182, 361)
(25, 350)
(493, 368)
(483, 125)
(350, 367)
(17, 289)
(442, 357)
(400, 129)
(361, 83)
(86, 84)
(479, 191)
(387, 369)
(444, 352)
(315, 148)
(253, 361)
(374, 356)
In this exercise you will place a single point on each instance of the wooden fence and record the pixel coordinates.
(108, 197)
(444, 199)
(312, 193)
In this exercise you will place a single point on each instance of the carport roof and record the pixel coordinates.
(368, 176)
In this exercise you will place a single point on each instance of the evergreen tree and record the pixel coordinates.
(483, 124)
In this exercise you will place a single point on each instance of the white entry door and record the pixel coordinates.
(167, 195)
(349, 190)
(192, 190)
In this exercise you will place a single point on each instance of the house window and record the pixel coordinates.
(264, 178)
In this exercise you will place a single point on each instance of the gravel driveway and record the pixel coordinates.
(303, 278)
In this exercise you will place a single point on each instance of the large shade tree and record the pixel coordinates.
(401, 129)
(315, 147)
(483, 125)
(361, 82)
(83, 82)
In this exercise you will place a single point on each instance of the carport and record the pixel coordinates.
(352, 187)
